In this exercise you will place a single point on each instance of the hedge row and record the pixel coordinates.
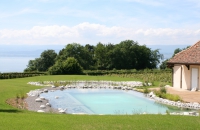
(110, 72)
(19, 75)
(87, 72)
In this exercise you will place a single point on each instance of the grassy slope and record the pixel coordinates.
(11, 118)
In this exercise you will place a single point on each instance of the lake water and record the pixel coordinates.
(14, 64)
(15, 58)
(105, 101)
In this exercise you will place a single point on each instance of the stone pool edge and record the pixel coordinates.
(36, 106)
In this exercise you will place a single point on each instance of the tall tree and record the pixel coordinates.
(77, 51)
(155, 58)
(89, 50)
(129, 55)
(46, 60)
(101, 56)
(31, 66)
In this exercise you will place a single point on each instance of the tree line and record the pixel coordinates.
(75, 58)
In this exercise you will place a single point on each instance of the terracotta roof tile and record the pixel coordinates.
(189, 56)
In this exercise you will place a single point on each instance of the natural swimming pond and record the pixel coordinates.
(105, 101)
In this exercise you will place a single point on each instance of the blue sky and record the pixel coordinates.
(150, 22)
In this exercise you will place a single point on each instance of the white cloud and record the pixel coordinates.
(87, 33)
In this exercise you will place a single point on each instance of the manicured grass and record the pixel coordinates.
(31, 121)
(14, 119)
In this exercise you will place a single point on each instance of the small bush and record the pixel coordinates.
(17, 96)
(167, 96)
(146, 90)
(163, 90)
(173, 97)
(161, 85)
(153, 83)
(22, 96)
(167, 112)
(159, 94)
(56, 84)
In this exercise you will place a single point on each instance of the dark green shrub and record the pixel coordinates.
(163, 90)
(56, 69)
(146, 90)
(56, 84)
(19, 75)
(69, 66)
(167, 96)
(173, 97)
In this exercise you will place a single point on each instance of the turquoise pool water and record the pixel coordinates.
(105, 101)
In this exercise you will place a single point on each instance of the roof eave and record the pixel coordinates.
(183, 63)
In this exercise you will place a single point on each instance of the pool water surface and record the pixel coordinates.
(105, 101)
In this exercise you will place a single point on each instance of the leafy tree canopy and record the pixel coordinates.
(69, 66)
(127, 54)
(46, 60)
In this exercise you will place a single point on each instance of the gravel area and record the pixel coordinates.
(32, 105)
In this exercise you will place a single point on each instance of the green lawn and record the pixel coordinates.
(14, 119)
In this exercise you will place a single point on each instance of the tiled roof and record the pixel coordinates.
(189, 56)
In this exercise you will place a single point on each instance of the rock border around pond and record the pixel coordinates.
(194, 105)
(44, 106)
(49, 86)
(38, 103)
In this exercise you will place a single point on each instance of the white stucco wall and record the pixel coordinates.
(186, 77)
(177, 76)
(184, 81)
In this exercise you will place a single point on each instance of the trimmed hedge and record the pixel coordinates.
(134, 71)
(19, 75)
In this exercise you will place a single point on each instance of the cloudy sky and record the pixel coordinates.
(150, 22)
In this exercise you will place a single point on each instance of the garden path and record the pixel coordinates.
(186, 95)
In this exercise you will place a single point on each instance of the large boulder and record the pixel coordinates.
(45, 90)
(38, 100)
(42, 106)
(48, 104)
(40, 111)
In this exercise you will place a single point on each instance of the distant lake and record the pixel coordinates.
(14, 64)
(15, 58)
